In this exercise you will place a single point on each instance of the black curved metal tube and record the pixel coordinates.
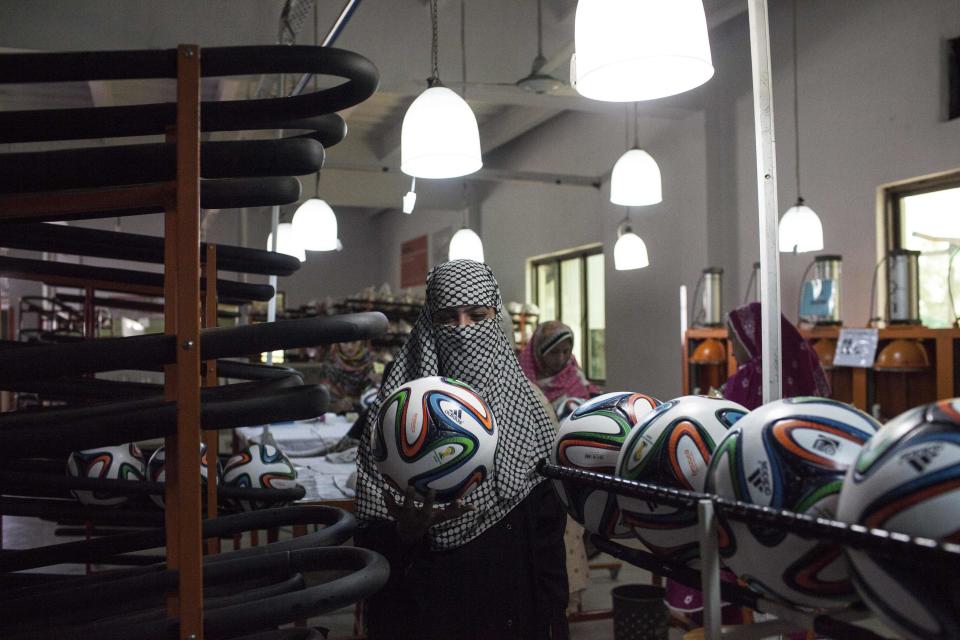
(361, 77)
(106, 276)
(118, 423)
(116, 245)
(338, 527)
(110, 354)
(121, 165)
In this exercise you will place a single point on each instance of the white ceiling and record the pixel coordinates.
(395, 34)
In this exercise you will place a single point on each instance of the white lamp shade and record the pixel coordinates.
(630, 50)
(466, 245)
(630, 252)
(800, 230)
(439, 137)
(315, 225)
(635, 181)
(287, 242)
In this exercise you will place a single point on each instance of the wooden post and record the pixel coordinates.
(211, 437)
(182, 279)
(946, 367)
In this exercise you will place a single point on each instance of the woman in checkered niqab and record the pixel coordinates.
(516, 522)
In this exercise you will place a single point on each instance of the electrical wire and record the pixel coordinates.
(750, 283)
(796, 100)
(953, 305)
(803, 280)
(873, 294)
(434, 46)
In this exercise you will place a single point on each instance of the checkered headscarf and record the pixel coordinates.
(480, 355)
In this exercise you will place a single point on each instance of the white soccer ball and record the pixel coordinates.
(435, 433)
(564, 406)
(672, 448)
(259, 466)
(120, 462)
(157, 472)
(789, 454)
(907, 479)
(590, 439)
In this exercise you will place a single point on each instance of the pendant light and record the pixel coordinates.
(314, 222)
(439, 137)
(315, 225)
(287, 242)
(635, 181)
(628, 50)
(465, 243)
(800, 227)
(630, 252)
(410, 199)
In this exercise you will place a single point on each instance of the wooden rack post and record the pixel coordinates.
(182, 380)
(211, 437)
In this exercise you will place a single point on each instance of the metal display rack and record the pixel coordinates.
(935, 556)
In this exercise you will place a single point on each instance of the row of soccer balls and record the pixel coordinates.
(256, 467)
(808, 455)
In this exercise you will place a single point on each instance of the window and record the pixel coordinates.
(930, 207)
(569, 288)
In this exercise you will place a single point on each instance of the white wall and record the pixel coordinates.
(642, 311)
(871, 86)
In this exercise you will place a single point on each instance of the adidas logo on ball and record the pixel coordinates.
(760, 478)
(921, 458)
(455, 415)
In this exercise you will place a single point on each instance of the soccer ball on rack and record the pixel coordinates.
(789, 454)
(259, 466)
(156, 470)
(672, 448)
(590, 439)
(907, 479)
(121, 462)
(564, 406)
(435, 433)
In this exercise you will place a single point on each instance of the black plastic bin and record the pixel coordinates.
(639, 612)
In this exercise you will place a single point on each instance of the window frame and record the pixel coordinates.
(892, 195)
(581, 253)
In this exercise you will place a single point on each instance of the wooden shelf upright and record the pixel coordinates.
(182, 379)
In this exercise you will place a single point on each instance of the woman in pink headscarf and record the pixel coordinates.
(549, 362)
(801, 373)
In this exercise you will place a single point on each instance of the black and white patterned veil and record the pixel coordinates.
(480, 355)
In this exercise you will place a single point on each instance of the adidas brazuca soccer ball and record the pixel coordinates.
(121, 462)
(259, 466)
(435, 433)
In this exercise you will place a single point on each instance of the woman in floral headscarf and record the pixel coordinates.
(492, 567)
(549, 362)
(801, 374)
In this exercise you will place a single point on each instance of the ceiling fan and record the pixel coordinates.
(537, 81)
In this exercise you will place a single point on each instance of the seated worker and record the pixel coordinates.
(548, 361)
(801, 373)
(349, 367)
(491, 567)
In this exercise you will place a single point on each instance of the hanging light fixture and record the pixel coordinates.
(630, 252)
(466, 245)
(287, 242)
(314, 222)
(315, 225)
(628, 50)
(410, 200)
(800, 227)
(635, 181)
(439, 137)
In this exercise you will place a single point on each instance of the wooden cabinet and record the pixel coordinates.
(885, 392)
